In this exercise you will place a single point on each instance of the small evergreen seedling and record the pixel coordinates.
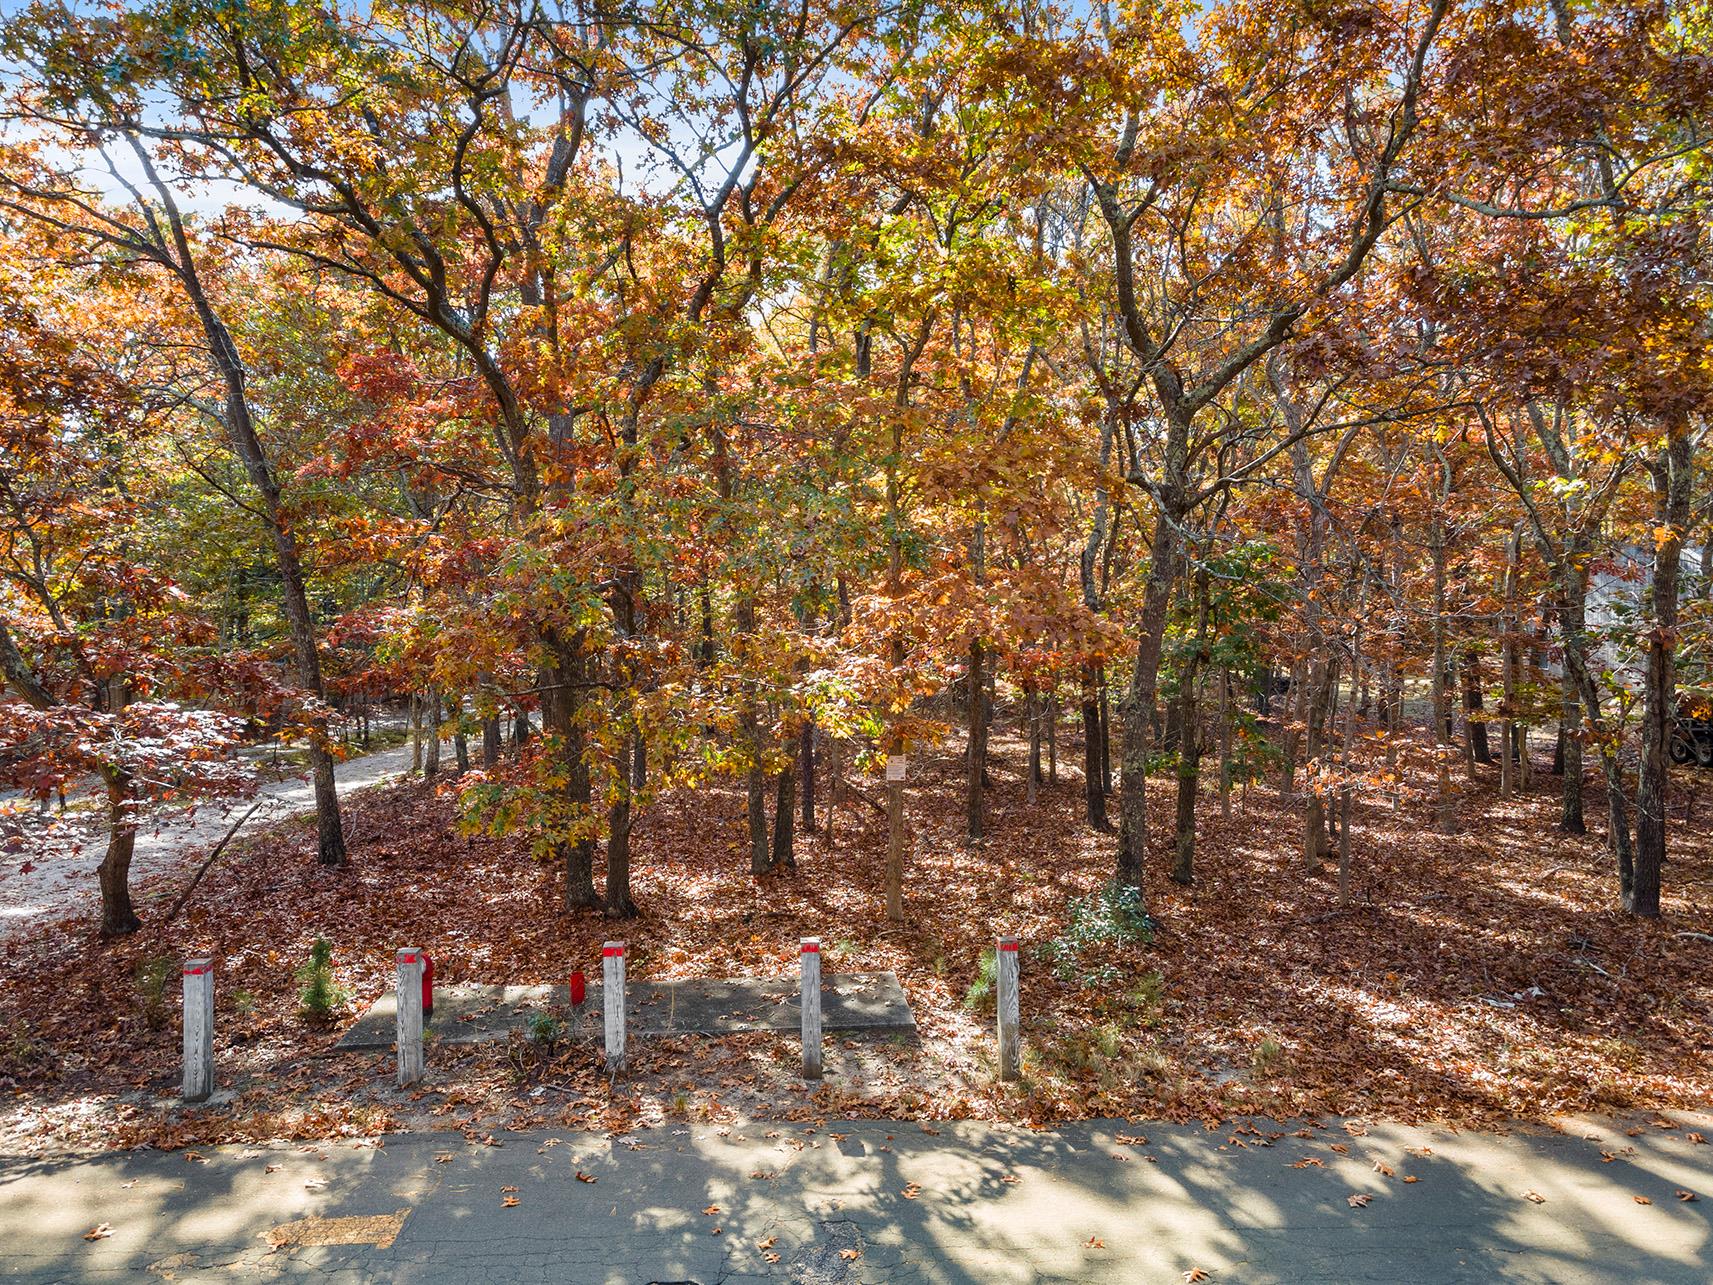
(980, 995)
(321, 997)
(152, 976)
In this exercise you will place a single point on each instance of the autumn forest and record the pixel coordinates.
(1227, 475)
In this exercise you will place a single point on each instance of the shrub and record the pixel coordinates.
(321, 996)
(152, 976)
(545, 1030)
(1111, 917)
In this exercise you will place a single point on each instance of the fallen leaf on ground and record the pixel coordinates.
(1009, 1179)
(771, 1257)
(101, 1231)
(1686, 1195)
(1130, 1140)
(850, 1255)
(768, 1243)
(1193, 1275)
(1341, 1148)
(586, 1177)
(1308, 1162)
(1094, 1242)
(1412, 1178)
(443, 1157)
(315, 1184)
(717, 1231)
(508, 1189)
(508, 1202)
(272, 1168)
(1696, 1137)
(1534, 1197)
(711, 1210)
(1358, 1200)
(1641, 1200)
(1381, 1167)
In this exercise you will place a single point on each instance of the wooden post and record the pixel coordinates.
(198, 1029)
(810, 954)
(613, 1002)
(1009, 1044)
(408, 994)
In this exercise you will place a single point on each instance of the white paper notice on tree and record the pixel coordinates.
(897, 768)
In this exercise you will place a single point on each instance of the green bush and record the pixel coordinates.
(545, 1030)
(321, 996)
(1111, 917)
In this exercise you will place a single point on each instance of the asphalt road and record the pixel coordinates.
(880, 1202)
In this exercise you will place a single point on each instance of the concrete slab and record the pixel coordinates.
(467, 1014)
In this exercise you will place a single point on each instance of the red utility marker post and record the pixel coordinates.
(613, 1002)
(1009, 1016)
(198, 1029)
(427, 986)
(407, 996)
(810, 955)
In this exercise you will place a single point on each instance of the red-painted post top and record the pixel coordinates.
(197, 967)
(811, 946)
(613, 948)
(1008, 943)
(408, 956)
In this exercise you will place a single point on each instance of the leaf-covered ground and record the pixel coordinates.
(1479, 977)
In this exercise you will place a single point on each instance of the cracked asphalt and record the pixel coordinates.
(878, 1201)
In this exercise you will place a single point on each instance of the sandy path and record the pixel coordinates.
(47, 870)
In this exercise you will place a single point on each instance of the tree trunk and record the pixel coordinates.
(755, 794)
(806, 771)
(1053, 738)
(1189, 773)
(619, 904)
(1225, 744)
(1094, 798)
(1032, 718)
(460, 742)
(560, 696)
(1673, 475)
(1568, 758)
(1137, 711)
(431, 760)
(1323, 681)
(895, 851)
(1445, 813)
(117, 915)
(1474, 707)
(491, 741)
(977, 750)
(784, 853)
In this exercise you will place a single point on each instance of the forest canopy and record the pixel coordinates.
(1300, 390)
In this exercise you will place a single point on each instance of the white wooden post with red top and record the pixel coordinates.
(810, 954)
(198, 1029)
(1009, 1016)
(613, 1002)
(408, 990)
